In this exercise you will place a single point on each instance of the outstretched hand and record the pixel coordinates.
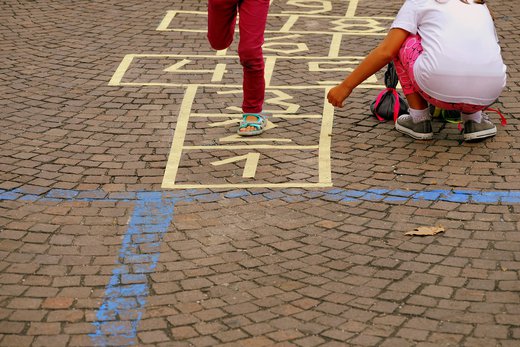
(337, 95)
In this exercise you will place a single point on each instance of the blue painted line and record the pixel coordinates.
(127, 290)
(334, 194)
(10, 195)
(62, 194)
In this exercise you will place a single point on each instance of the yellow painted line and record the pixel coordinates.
(165, 23)
(289, 24)
(239, 115)
(221, 53)
(335, 45)
(325, 141)
(326, 6)
(238, 138)
(249, 167)
(269, 69)
(352, 33)
(256, 146)
(345, 65)
(175, 67)
(247, 185)
(224, 123)
(121, 69)
(220, 69)
(303, 57)
(185, 85)
(352, 4)
(180, 132)
(279, 100)
(352, 7)
(270, 125)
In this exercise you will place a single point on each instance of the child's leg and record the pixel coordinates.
(222, 15)
(253, 17)
(404, 63)
(417, 123)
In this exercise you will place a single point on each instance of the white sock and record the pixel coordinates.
(419, 115)
(476, 117)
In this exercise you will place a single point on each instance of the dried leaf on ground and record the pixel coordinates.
(424, 231)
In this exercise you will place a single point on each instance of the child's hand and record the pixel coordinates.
(338, 94)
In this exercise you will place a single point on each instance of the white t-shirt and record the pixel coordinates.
(461, 61)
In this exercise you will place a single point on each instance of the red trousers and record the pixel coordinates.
(222, 16)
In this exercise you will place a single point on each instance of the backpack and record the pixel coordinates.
(389, 104)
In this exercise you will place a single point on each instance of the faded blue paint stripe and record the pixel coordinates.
(333, 194)
(128, 288)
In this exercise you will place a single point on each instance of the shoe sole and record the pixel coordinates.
(480, 134)
(413, 134)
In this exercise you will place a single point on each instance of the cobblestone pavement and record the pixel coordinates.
(126, 219)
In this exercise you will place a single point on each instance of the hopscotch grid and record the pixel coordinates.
(126, 64)
(167, 19)
(340, 26)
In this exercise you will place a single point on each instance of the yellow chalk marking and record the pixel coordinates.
(352, 7)
(224, 123)
(218, 74)
(121, 69)
(273, 42)
(345, 65)
(351, 33)
(175, 67)
(178, 139)
(129, 59)
(335, 45)
(249, 167)
(269, 69)
(301, 57)
(289, 24)
(270, 125)
(279, 101)
(292, 16)
(278, 47)
(238, 138)
(165, 23)
(286, 87)
(257, 146)
(366, 84)
(248, 185)
(325, 175)
(274, 115)
(326, 6)
(221, 53)
(344, 25)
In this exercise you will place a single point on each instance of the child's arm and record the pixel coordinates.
(378, 58)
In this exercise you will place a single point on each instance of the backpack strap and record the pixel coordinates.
(378, 100)
(397, 104)
(503, 120)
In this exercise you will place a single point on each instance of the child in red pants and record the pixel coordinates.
(222, 16)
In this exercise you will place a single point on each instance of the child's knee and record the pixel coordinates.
(252, 64)
(218, 43)
(251, 57)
